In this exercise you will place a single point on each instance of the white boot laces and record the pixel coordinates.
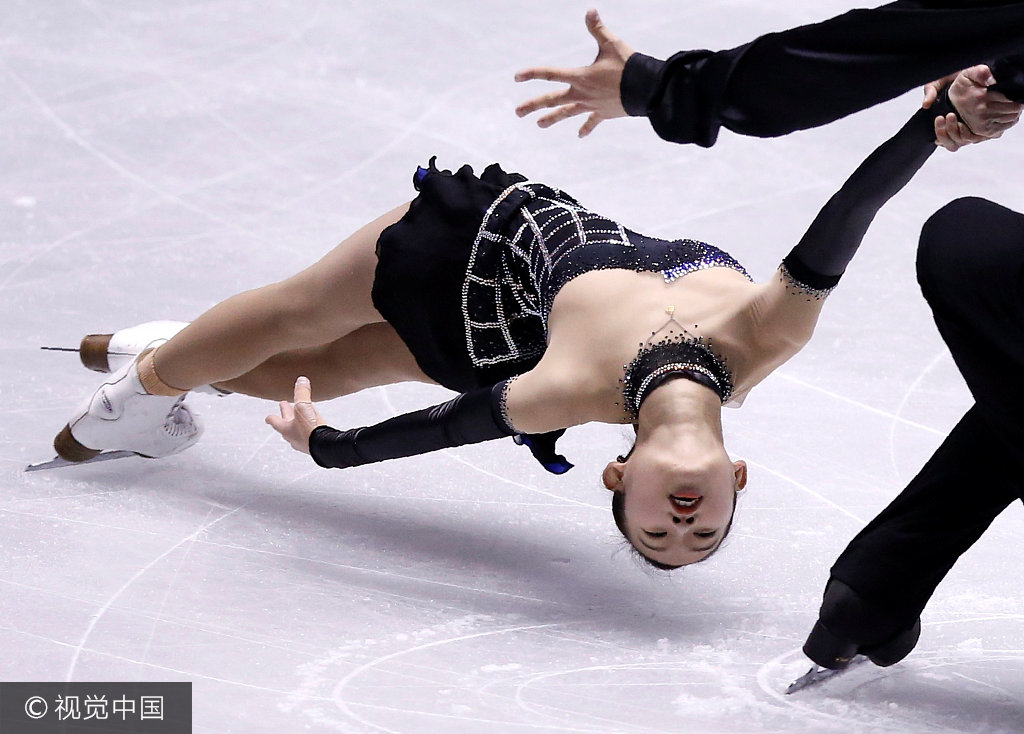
(179, 422)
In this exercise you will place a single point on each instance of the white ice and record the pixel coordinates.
(158, 157)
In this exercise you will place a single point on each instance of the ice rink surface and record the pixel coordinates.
(159, 157)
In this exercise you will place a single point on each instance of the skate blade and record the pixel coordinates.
(93, 351)
(59, 462)
(817, 675)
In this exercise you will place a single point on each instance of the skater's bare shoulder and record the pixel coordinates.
(555, 394)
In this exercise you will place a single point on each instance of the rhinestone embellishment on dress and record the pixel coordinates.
(678, 353)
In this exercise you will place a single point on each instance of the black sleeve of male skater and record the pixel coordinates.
(1009, 76)
(472, 417)
(682, 95)
(815, 74)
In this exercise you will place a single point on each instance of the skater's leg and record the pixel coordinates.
(899, 559)
(971, 270)
(319, 305)
(139, 408)
(882, 581)
(370, 356)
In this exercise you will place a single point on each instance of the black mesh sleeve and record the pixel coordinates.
(475, 416)
(820, 258)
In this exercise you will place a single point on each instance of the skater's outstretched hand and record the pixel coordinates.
(593, 89)
(985, 115)
(298, 418)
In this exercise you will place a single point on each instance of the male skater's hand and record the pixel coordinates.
(986, 115)
(298, 418)
(593, 89)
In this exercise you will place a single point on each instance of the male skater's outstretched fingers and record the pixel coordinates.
(592, 89)
(988, 114)
(298, 418)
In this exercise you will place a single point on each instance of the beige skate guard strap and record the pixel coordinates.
(151, 380)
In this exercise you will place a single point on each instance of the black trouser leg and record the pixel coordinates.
(901, 556)
(971, 270)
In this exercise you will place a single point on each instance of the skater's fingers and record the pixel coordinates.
(562, 113)
(962, 133)
(277, 423)
(598, 29)
(287, 411)
(942, 137)
(551, 99)
(296, 437)
(952, 134)
(1001, 103)
(931, 90)
(931, 93)
(588, 127)
(1004, 119)
(980, 75)
(308, 415)
(561, 74)
(303, 391)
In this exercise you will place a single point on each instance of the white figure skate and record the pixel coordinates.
(110, 352)
(121, 415)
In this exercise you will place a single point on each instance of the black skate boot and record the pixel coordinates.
(849, 625)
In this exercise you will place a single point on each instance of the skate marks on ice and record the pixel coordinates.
(511, 673)
(278, 587)
(967, 675)
(503, 673)
(186, 542)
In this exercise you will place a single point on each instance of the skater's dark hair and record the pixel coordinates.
(619, 515)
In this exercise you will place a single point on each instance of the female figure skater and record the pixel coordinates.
(543, 314)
